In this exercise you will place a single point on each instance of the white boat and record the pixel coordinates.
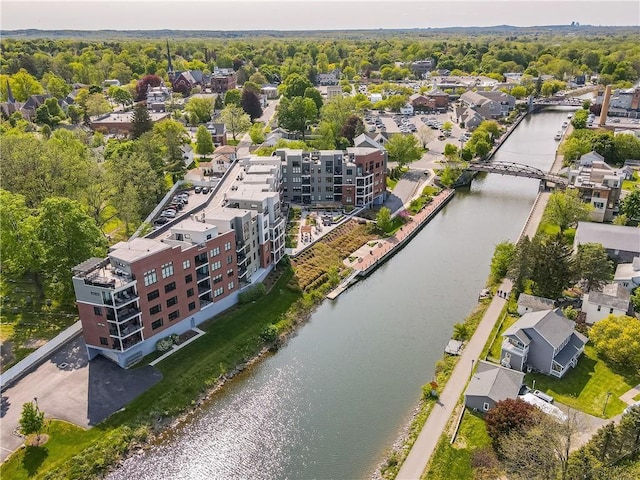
(558, 136)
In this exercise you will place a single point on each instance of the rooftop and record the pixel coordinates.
(136, 249)
(612, 237)
(496, 382)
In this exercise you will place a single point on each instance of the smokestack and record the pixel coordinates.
(605, 106)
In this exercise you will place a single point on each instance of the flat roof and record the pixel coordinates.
(192, 226)
(136, 249)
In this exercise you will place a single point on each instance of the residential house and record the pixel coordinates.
(407, 109)
(507, 102)
(187, 154)
(530, 303)
(218, 133)
(156, 97)
(491, 384)
(334, 91)
(543, 341)
(622, 243)
(467, 117)
(613, 299)
(598, 184)
(329, 78)
(269, 91)
(121, 122)
(628, 274)
(486, 107)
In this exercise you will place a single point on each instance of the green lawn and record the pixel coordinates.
(65, 440)
(496, 347)
(454, 461)
(585, 387)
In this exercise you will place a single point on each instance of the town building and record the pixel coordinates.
(156, 97)
(490, 105)
(223, 79)
(334, 91)
(122, 122)
(622, 243)
(421, 68)
(628, 274)
(329, 78)
(598, 184)
(491, 384)
(530, 303)
(612, 299)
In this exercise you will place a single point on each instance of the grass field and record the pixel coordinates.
(585, 387)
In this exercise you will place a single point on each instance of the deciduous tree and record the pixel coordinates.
(403, 149)
(630, 205)
(502, 258)
(235, 119)
(616, 338)
(508, 416)
(250, 103)
(296, 113)
(201, 108)
(383, 219)
(143, 85)
(204, 142)
(352, 128)
(232, 97)
(295, 85)
(592, 265)
(31, 420)
(565, 209)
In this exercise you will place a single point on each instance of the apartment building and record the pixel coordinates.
(354, 177)
(148, 288)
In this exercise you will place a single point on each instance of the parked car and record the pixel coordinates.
(178, 206)
(543, 396)
(160, 221)
(197, 189)
(205, 189)
(168, 213)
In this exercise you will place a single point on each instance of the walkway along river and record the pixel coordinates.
(332, 401)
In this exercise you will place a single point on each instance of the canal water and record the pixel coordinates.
(331, 402)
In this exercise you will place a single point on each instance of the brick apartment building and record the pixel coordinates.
(193, 268)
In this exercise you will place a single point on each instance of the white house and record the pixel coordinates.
(407, 109)
(628, 274)
(614, 299)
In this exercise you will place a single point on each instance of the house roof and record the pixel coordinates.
(364, 140)
(576, 343)
(612, 295)
(550, 324)
(495, 382)
(535, 303)
(611, 237)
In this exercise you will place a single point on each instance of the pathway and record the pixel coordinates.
(427, 441)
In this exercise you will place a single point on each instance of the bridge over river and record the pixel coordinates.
(518, 170)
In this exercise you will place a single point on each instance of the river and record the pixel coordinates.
(332, 401)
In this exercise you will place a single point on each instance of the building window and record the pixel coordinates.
(227, 246)
(186, 264)
(216, 265)
(153, 295)
(229, 259)
(97, 311)
(218, 291)
(485, 406)
(190, 292)
(169, 287)
(167, 270)
(172, 301)
(230, 285)
(174, 315)
(217, 279)
(104, 341)
(215, 251)
(150, 277)
(157, 324)
(188, 278)
(155, 309)
(192, 306)
(230, 272)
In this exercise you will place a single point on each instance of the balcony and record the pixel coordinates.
(126, 330)
(124, 297)
(201, 276)
(127, 313)
(203, 288)
(514, 349)
(127, 343)
(200, 259)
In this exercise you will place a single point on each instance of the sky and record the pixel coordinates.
(309, 14)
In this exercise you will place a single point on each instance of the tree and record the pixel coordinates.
(383, 219)
(352, 128)
(425, 135)
(56, 86)
(616, 338)
(250, 103)
(232, 97)
(630, 205)
(627, 147)
(551, 265)
(450, 151)
(256, 132)
(23, 85)
(502, 257)
(403, 149)
(295, 114)
(519, 91)
(447, 126)
(218, 105)
(97, 105)
(579, 119)
(315, 95)
(508, 416)
(565, 209)
(482, 148)
(295, 85)
(235, 119)
(593, 266)
(31, 420)
(201, 108)
(120, 95)
(204, 142)
(74, 112)
(143, 85)
(141, 121)
(171, 135)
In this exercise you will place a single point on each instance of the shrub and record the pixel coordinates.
(164, 344)
(252, 294)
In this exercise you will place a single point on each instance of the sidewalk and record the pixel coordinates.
(421, 452)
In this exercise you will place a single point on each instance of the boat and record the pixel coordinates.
(558, 136)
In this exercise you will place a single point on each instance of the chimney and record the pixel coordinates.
(605, 106)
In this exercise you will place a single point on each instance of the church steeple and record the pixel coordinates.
(169, 64)
(10, 97)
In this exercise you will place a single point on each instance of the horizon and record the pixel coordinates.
(310, 15)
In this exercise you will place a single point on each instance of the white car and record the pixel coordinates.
(633, 405)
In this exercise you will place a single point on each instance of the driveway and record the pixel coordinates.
(405, 189)
(69, 387)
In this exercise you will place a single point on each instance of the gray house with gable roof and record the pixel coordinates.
(543, 341)
(491, 384)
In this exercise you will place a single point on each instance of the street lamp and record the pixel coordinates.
(534, 384)
(605, 403)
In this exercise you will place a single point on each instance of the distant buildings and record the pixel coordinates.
(421, 68)
(121, 122)
(329, 78)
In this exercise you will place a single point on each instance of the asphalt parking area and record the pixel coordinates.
(69, 387)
